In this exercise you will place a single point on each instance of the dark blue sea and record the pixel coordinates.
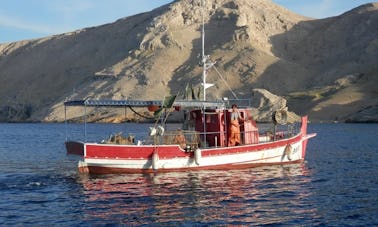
(40, 185)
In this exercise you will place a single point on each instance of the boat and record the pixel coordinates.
(210, 137)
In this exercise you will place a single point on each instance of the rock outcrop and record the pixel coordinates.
(265, 103)
(325, 68)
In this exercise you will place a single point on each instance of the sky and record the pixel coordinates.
(29, 19)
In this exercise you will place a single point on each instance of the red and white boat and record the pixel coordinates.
(202, 144)
(204, 147)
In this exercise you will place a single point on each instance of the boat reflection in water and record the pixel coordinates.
(266, 195)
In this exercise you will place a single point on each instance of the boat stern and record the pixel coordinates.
(305, 136)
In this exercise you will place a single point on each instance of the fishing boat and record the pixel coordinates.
(215, 135)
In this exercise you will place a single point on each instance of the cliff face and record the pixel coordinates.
(325, 68)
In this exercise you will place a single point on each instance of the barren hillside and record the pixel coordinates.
(326, 68)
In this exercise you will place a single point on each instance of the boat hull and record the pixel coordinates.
(107, 159)
(104, 169)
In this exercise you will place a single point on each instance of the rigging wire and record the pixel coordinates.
(139, 114)
(225, 82)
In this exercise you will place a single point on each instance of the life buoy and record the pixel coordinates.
(279, 117)
(197, 156)
(155, 160)
(288, 151)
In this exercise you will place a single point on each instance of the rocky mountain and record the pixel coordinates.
(326, 68)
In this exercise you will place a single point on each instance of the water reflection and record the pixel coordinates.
(268, 195)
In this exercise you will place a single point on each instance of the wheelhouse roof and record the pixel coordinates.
(145, 103)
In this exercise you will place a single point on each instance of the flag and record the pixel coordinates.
(167, 103)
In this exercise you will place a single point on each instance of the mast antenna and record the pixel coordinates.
(206, 64)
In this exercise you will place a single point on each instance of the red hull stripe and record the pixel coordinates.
(133, 151)
(108, 151)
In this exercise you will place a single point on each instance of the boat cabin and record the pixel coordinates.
(214, 126)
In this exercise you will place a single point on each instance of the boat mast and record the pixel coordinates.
(206, 63)
(203, 52)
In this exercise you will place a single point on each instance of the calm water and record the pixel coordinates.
(336, 186)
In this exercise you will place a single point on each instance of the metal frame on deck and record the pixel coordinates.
(221, 104)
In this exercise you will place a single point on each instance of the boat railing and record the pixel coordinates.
(190, 140)
(241, 103)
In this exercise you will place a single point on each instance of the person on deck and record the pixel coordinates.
(234, 138)
(180, 139)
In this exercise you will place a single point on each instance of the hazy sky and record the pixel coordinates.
(27, 19)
